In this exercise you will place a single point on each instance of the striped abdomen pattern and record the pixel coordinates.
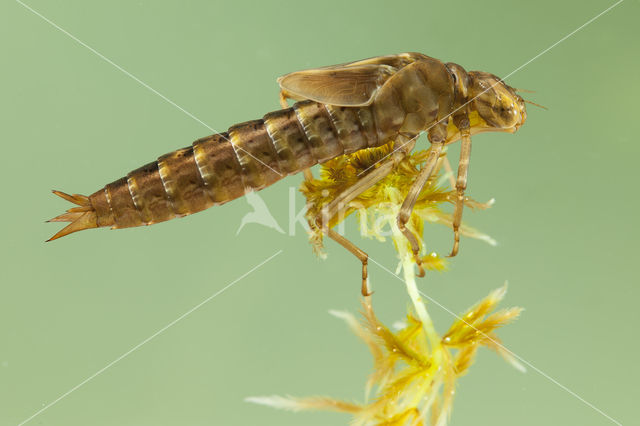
(222, 167)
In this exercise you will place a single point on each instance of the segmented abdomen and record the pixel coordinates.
(223, 167)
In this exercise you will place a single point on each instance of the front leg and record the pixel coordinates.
(461, 182)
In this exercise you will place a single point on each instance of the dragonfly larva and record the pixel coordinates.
(339, 110)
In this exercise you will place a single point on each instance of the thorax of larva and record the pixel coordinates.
(414, 99)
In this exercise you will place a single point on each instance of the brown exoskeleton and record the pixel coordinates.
(339, 110)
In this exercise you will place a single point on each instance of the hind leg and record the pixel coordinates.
(284, 95)
(357, 252)
(339, 204)
(412, 197)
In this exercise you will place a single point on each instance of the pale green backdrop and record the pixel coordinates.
(565, 216)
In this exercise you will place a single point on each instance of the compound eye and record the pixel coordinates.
(486, 111)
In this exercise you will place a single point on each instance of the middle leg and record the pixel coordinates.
(437, 136)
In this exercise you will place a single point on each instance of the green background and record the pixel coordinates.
(565, 217)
